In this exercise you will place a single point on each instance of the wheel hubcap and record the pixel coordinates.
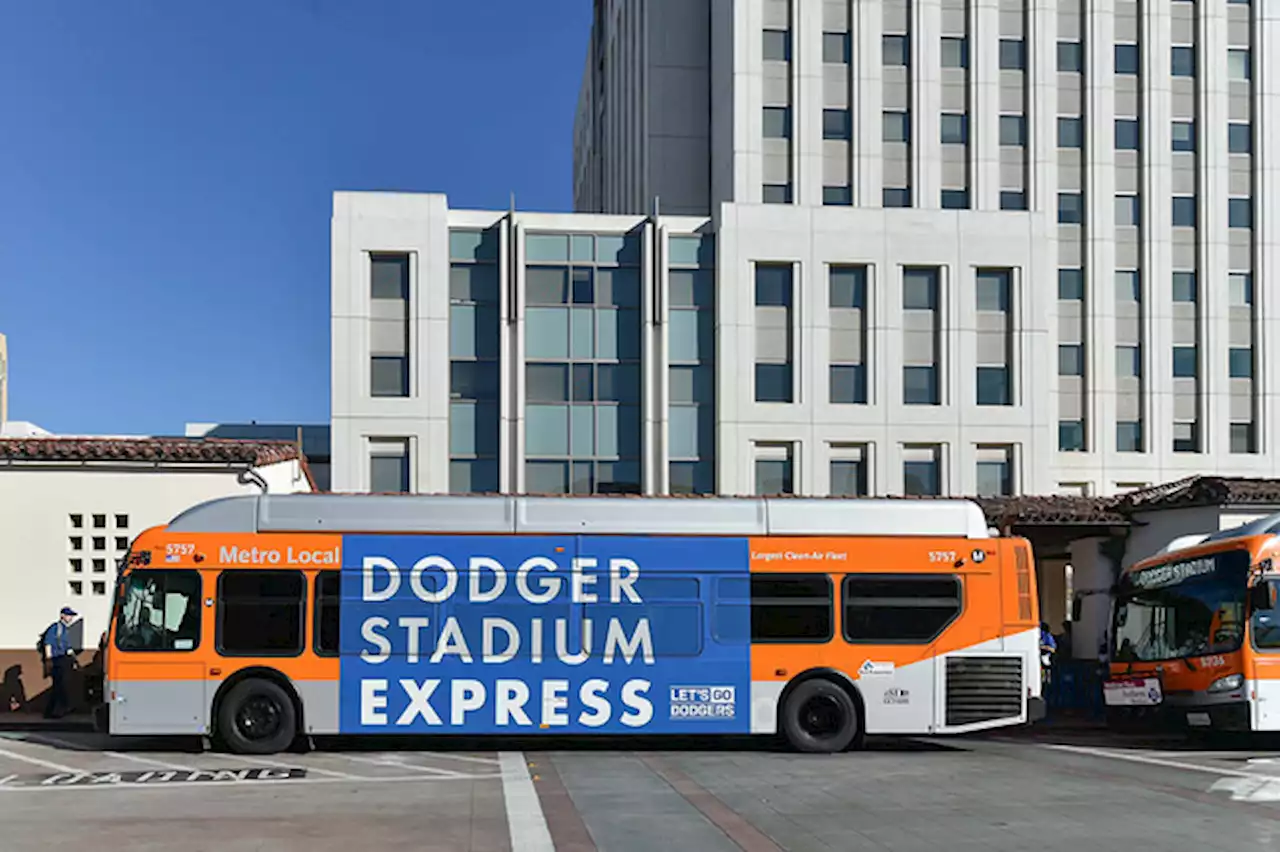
(259, 718)
(821, 716)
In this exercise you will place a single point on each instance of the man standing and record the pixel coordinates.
(61, 658)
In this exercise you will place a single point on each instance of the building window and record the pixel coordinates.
(920, 471)
(1183, 61)
(1070, 359)
(1240, 288)
(122, 522)
(1184, 362)
(389, 466)
(390, 276)
(389, 375)
(955, 52)
(1240, 212)
(896, 196)
(1013, 130)
(775, 469)
(896, 50)
(1184, 287)
(389, 325)
(99, 542)
(993, 386)
(920, 385)
(1070, 133)
(1185, 439)
(992, 290)
(837, 48)
(1184, 136)
(837, 196)
(1240, 138)
(1070, 208)
(1070, 57)
(955, 128)
(1013, 200)
(1012, 54)
(1128, 211)
(1071, 436)
(474, 341)
(1242, 438)
(1128, 134)
(1241, 363)
(897, 126)
(849, 471)
(777, 45)
(836, 124)
(691, 350)
(1127, 59)
(955, 199)
(1128, 285)
(1129, 437)
(1239, 65)
(99, 522)
(1128, 362)
(773, 381)
(77, 521)
(994, 479)
(777, 122)
(1184, 211)
(776, 193)
(1071, 285)
(920, 290)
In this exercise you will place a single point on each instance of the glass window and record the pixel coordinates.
(920, 385)
(691, 288)
(993, 290)
(1013, 130)
(791, 608)
(1070, 208)
(848, 287)
(546, 477)
(835, 124)
(1128, 211)
(327, 607)
(1128, 135)
(1128, 285)
(955, 199)
(546, 247)
(1128, 362)
(260, 613)
(1242, 438)
(683, 338)
(994, 479)
(1239, 66)
(920, 289)
(473, 476)
(1240, 138)
(1012, 54)
(692, 478)
(1241, 363)
(1185, 438)
(837, 48)
(1070, 359)
(1129, 437)
(777, 122)
(547, 285)
(896, 196)
(548, 382)
(1184, 286)
(1183, 61)
(473, 282)
(837, 196)
(1070, 57)
(848, 384)
(1127, 59)
(1070, 133)
(955, 128)
(1240, 288)
(389, 274)
(993, 386)
(1240, 212)
(773, 285)
(848, 478)
(773, 476)
(776, 193)
(1071, 284)
(1184, 211)
(773, 383)
(389, 474)
(897, 127)
(899, 608)
(389, 375)
(777, 45)
(955, 52)
(473, 245)
(1184, 136)
(1013, 200)
(473, 380)
(159, 610)
(1184, 362)
(896, 50)
(547, 430)
(1071, 436)
(547, 333)
(692, 251)
(692, 385)
(1168, 618)
(920, 478)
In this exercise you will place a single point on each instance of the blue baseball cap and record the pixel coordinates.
(66, 610)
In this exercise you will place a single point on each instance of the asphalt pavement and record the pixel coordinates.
(1048, 792)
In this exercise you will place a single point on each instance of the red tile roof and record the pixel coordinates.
(160, 450)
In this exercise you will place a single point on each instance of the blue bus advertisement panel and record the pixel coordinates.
(568, 634)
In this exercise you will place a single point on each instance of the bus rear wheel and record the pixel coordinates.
(257, 717)
(818, 716)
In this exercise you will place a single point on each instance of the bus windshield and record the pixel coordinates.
(1182, 609)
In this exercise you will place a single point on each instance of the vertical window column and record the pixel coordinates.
(774, 367)
(837, 113)
(582, 363)
(474, 332)
(1014, 104)
(1071, 360)
(1129, 341)
(896, 98)
(847, 299)
(1188, 243)
(921, 324)
(956, 116)
(389, 325)
(1241, 311)
(995, 337)
(1070, 133)
(779, 111)
(691, 422)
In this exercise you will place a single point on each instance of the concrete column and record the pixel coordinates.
(1093, 573)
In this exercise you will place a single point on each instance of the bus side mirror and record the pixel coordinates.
(1263, 596)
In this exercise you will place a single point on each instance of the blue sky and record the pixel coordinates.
(166, 172)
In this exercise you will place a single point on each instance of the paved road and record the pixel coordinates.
(78, 790)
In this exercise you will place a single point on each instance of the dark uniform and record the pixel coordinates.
(61, 660)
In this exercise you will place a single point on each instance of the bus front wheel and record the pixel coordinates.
(257, 717)
(819, 716)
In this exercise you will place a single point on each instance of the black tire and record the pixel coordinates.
(257, 717)
(820, 717)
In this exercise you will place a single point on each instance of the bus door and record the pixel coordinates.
(1264, 637)
(159, 674)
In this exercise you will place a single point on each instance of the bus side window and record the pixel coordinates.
(260, 613)
(899, 608)
(791, 608)
(328, 600)
(1265, 624)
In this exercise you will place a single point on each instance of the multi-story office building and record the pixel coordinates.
(844, 246)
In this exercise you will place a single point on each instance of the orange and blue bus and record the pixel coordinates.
(262, 620)
(1195, 638)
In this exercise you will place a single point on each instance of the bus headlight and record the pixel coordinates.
(1228, 683)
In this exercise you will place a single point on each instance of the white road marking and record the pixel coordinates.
(400, 764)
(333, 773)
(1157, 761)
(6, 779)
(487, 761)
(525, 819)
(146, 761)
(400, 779)
(35, 761)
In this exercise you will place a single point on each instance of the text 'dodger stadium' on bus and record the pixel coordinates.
(1195, 638)
(258, 620)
